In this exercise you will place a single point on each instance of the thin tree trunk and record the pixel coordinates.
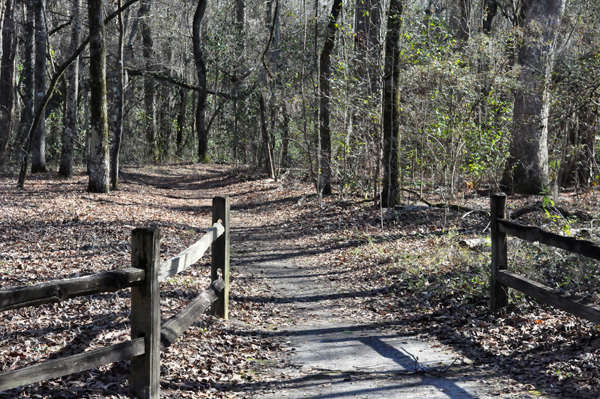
(72, 79)
(240, 16)
(7, 77)
(202, 94)
(38, 145)
(265, 137)
(391, 108)
(119, 104)
(285, 138)
(367, 21)
(181, 118)
(85, 104)
(99, 152)
(149, 91)
(324, 94)
(27, 78)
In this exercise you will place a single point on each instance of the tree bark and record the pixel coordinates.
(368, 21)
(265, 138)
(181, 118)
(7, 77)
(527, 167)
(324, 94)
(27, 79)
(240, 16)
(149, 91)
(202, 94)
(390, 196)
(72, 79)
(285, 138)
(117, 127)
(84, 88)
(99, 152)
(38, 145)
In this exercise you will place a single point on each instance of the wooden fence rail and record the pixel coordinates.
(502, 279)
(146, 332)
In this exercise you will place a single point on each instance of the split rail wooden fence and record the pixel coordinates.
(502, 278)
(143, 277)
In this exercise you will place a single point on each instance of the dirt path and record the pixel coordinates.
(328, 300)
(329, 352)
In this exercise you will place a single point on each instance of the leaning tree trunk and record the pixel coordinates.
(202, 94)
(72, 78)
(7, 77)
(324, 94)
(38, 145)
(527, 167)
(99, 166)
(390, 195)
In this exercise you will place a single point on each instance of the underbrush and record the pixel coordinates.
(431, 269)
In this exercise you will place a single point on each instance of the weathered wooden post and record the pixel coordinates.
(145, 313)
(498, 294)
(220, 256)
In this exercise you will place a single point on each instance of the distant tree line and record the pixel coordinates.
(366, 96)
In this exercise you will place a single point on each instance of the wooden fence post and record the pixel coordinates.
(498, 292)
(220, 256)
(145, 313)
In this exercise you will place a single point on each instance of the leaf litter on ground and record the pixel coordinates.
(414, 275)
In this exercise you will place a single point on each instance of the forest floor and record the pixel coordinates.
(308, 277)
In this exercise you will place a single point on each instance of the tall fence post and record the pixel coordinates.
(498, 294)
(220, 256)
(145, 313)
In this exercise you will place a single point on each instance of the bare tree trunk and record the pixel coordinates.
(285, 138)
(72, 79)
(367, 21)
(165, 123)
(391, 107)
(38, 145)
(7, 77)
(265, 137)
(324, 94)
(27, 78)
(181, 118)
(527, 167)
(99, 152)
(202, 94)
(117, 127)
(85, 104)
(149, 92)
(240, 16)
